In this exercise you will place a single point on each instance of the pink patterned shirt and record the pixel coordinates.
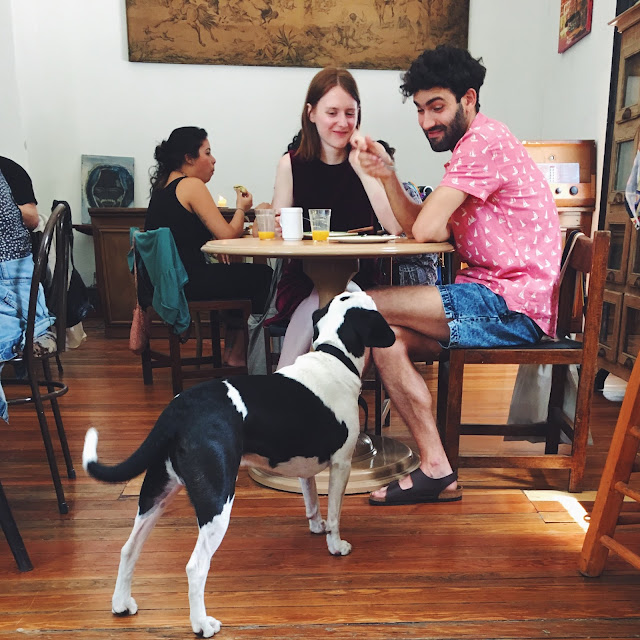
(507, 230)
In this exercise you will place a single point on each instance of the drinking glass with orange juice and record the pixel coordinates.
(320, 223)
(266, 219)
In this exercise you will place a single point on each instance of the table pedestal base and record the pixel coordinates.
(377, 461)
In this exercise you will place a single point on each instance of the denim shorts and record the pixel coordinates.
(478, 317)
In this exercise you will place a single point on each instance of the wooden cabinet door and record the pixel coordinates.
(610, 326)
(629, 340)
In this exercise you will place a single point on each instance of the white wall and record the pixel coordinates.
(81, 95)
(12, 142)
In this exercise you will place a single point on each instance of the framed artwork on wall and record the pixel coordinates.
(365, 34)
(107, 181)
(575, 22)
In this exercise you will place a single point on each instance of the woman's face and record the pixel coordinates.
(203, 166)
(336, 117)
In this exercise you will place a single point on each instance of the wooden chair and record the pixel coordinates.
(614, 486)
(589, 257)
(37, 359)
(198, 367)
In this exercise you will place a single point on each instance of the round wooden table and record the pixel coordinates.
(377, 460)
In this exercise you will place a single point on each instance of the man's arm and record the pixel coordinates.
(432, 224)
(375, 161)
(29, 215)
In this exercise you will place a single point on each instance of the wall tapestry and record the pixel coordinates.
(107, 181)
(365, 34)
(575, 22)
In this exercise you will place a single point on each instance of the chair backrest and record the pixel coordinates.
(57, 303)
(588, 258)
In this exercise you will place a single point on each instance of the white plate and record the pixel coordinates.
(363, 239)
(332, 234)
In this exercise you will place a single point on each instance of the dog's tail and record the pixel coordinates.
(133, 466)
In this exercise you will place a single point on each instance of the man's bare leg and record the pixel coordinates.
(421, 310)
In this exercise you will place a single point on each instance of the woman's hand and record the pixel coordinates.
(244, 199)
(371, 157)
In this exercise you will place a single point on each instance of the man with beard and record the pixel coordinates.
(496, 207)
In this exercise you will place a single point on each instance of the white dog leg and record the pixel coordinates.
(122, 603)
(209, 539)
(311, 504)
(338, 477)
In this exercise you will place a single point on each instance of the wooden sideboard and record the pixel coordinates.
(110, 228)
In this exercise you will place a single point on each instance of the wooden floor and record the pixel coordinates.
(500, 564)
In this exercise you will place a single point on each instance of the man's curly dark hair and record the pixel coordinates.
(447, 67)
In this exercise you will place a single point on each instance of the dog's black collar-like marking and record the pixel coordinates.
(334, 351)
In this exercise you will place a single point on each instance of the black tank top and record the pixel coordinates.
(317, 185)
(187, 229)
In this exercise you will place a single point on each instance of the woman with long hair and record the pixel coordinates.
(181, 201)
(321, 170)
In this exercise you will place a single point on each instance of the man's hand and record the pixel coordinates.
(372, 157)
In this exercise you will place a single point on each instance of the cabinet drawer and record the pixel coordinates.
(610, 326)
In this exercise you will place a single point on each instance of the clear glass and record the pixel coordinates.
(617, 246)
(625, 156)
(631, 80)
(632, 336)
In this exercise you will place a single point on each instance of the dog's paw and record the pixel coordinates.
(206, 627)
(341, 548)
(124, 607)
(317, 526)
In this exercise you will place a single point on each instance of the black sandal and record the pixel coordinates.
(424, 490)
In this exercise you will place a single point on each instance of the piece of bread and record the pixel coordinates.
(241, 188)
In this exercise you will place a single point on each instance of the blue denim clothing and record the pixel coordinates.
(15, 285)
(478, 317)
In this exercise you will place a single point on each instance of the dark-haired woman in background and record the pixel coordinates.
(181, 201)
(322, 170)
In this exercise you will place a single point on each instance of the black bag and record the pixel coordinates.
(78, 303)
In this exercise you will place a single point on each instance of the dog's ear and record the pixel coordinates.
(364, 328)
(379, 334)
(316, 316)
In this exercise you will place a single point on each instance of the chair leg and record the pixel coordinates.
(453, 414)
(362, 403)
(554, 413)
(59, 363)
(71, 472)
(48, 446)
(616, 474)
(378, 403)
(582, 420)
(12, 534)
(216, 350)
(197, 325)
(267, 350)
(147, 369)
(176, 363)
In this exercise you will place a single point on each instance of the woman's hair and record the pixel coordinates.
(325, 80)
(170, 154)
(447, 67)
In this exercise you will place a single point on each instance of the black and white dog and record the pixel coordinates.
(296, 422)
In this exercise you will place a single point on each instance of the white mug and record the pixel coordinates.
(291, 223)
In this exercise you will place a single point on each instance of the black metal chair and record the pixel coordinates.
(35, 356)
(12, 534)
